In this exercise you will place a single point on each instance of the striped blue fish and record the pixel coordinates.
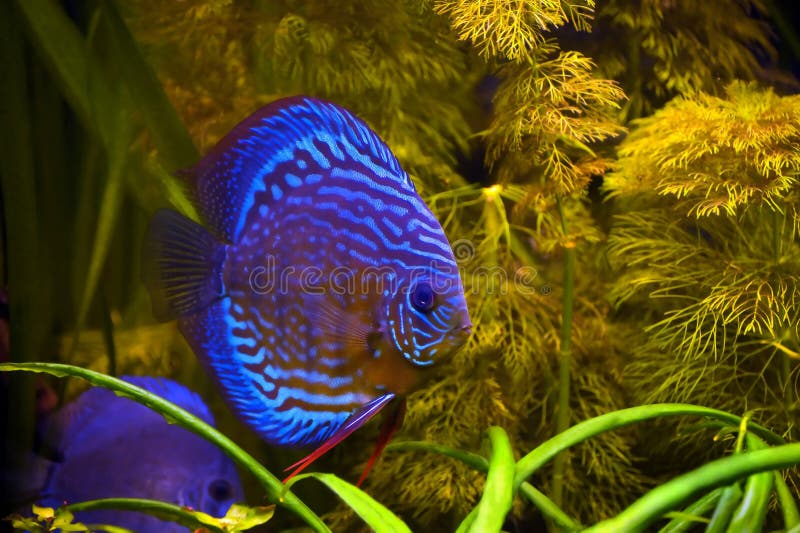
(321, 288)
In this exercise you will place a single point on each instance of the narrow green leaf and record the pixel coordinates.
(159, 509)
(722, 514)
(670, 495)
(238, 518)
(274, 488)
(61, 45)
(752, 510)
(498, 493)
(170, 136)
(20, 209)
(549, 509)
(618, 419)
(791, 516)
(63, 48)
(479, 463)
(376, 516)
(693, 514)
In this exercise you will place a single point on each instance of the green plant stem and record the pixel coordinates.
(275, 490)
(565, 358)
(159, 509)
(17, 172)
(721, 472)
(587, 429)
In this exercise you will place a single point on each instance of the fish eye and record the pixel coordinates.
(220, 490)
(423, 298)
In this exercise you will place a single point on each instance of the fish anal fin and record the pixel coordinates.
(183, 265)
(363, 415)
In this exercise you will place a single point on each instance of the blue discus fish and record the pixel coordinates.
(322, 289)
(110, 446)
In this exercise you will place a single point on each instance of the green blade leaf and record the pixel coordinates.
(162, 510)
(274, 488)
(618, 419)
(498, 493)
(670, 495)
(479, 463)
(378, 517)
(752, 510)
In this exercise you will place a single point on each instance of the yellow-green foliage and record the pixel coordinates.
(708, 245)
(411, 70)
(660, 48)
(717, 155)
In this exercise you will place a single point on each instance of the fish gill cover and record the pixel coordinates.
(618, 180)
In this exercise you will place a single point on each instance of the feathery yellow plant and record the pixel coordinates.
(708, 248)
(660, 48)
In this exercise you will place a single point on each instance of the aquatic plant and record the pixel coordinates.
(505, 478)
(699, 304)
(708, 249)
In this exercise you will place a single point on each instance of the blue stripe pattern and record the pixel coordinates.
(307, 189)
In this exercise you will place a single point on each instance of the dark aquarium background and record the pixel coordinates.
(619, 181)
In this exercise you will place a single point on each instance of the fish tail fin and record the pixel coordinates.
(182, 267)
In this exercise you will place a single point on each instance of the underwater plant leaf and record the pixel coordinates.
(549, 509)
(243, 517)
(498, 28)
(162, 510)
(722, 513)
(752, 509)
(669, 495)
(481, 464)
(274, 488)
(238, 518)
(170, 136)
(694, 513)
(21, 226)
(84, 84)
(476, 461)
(657, 50)
(787, 503)
(715, 154)
(376, 516)
(498, 492)
(587, 429)
(59, 42)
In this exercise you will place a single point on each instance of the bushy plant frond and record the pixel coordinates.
(659, 49)
(716, 155)
(550, 114)
(514, 30)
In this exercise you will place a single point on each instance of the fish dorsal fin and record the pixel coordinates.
(174, 392)
(282, 146)
(88, 416)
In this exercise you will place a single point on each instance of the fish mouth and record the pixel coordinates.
(462, 330)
